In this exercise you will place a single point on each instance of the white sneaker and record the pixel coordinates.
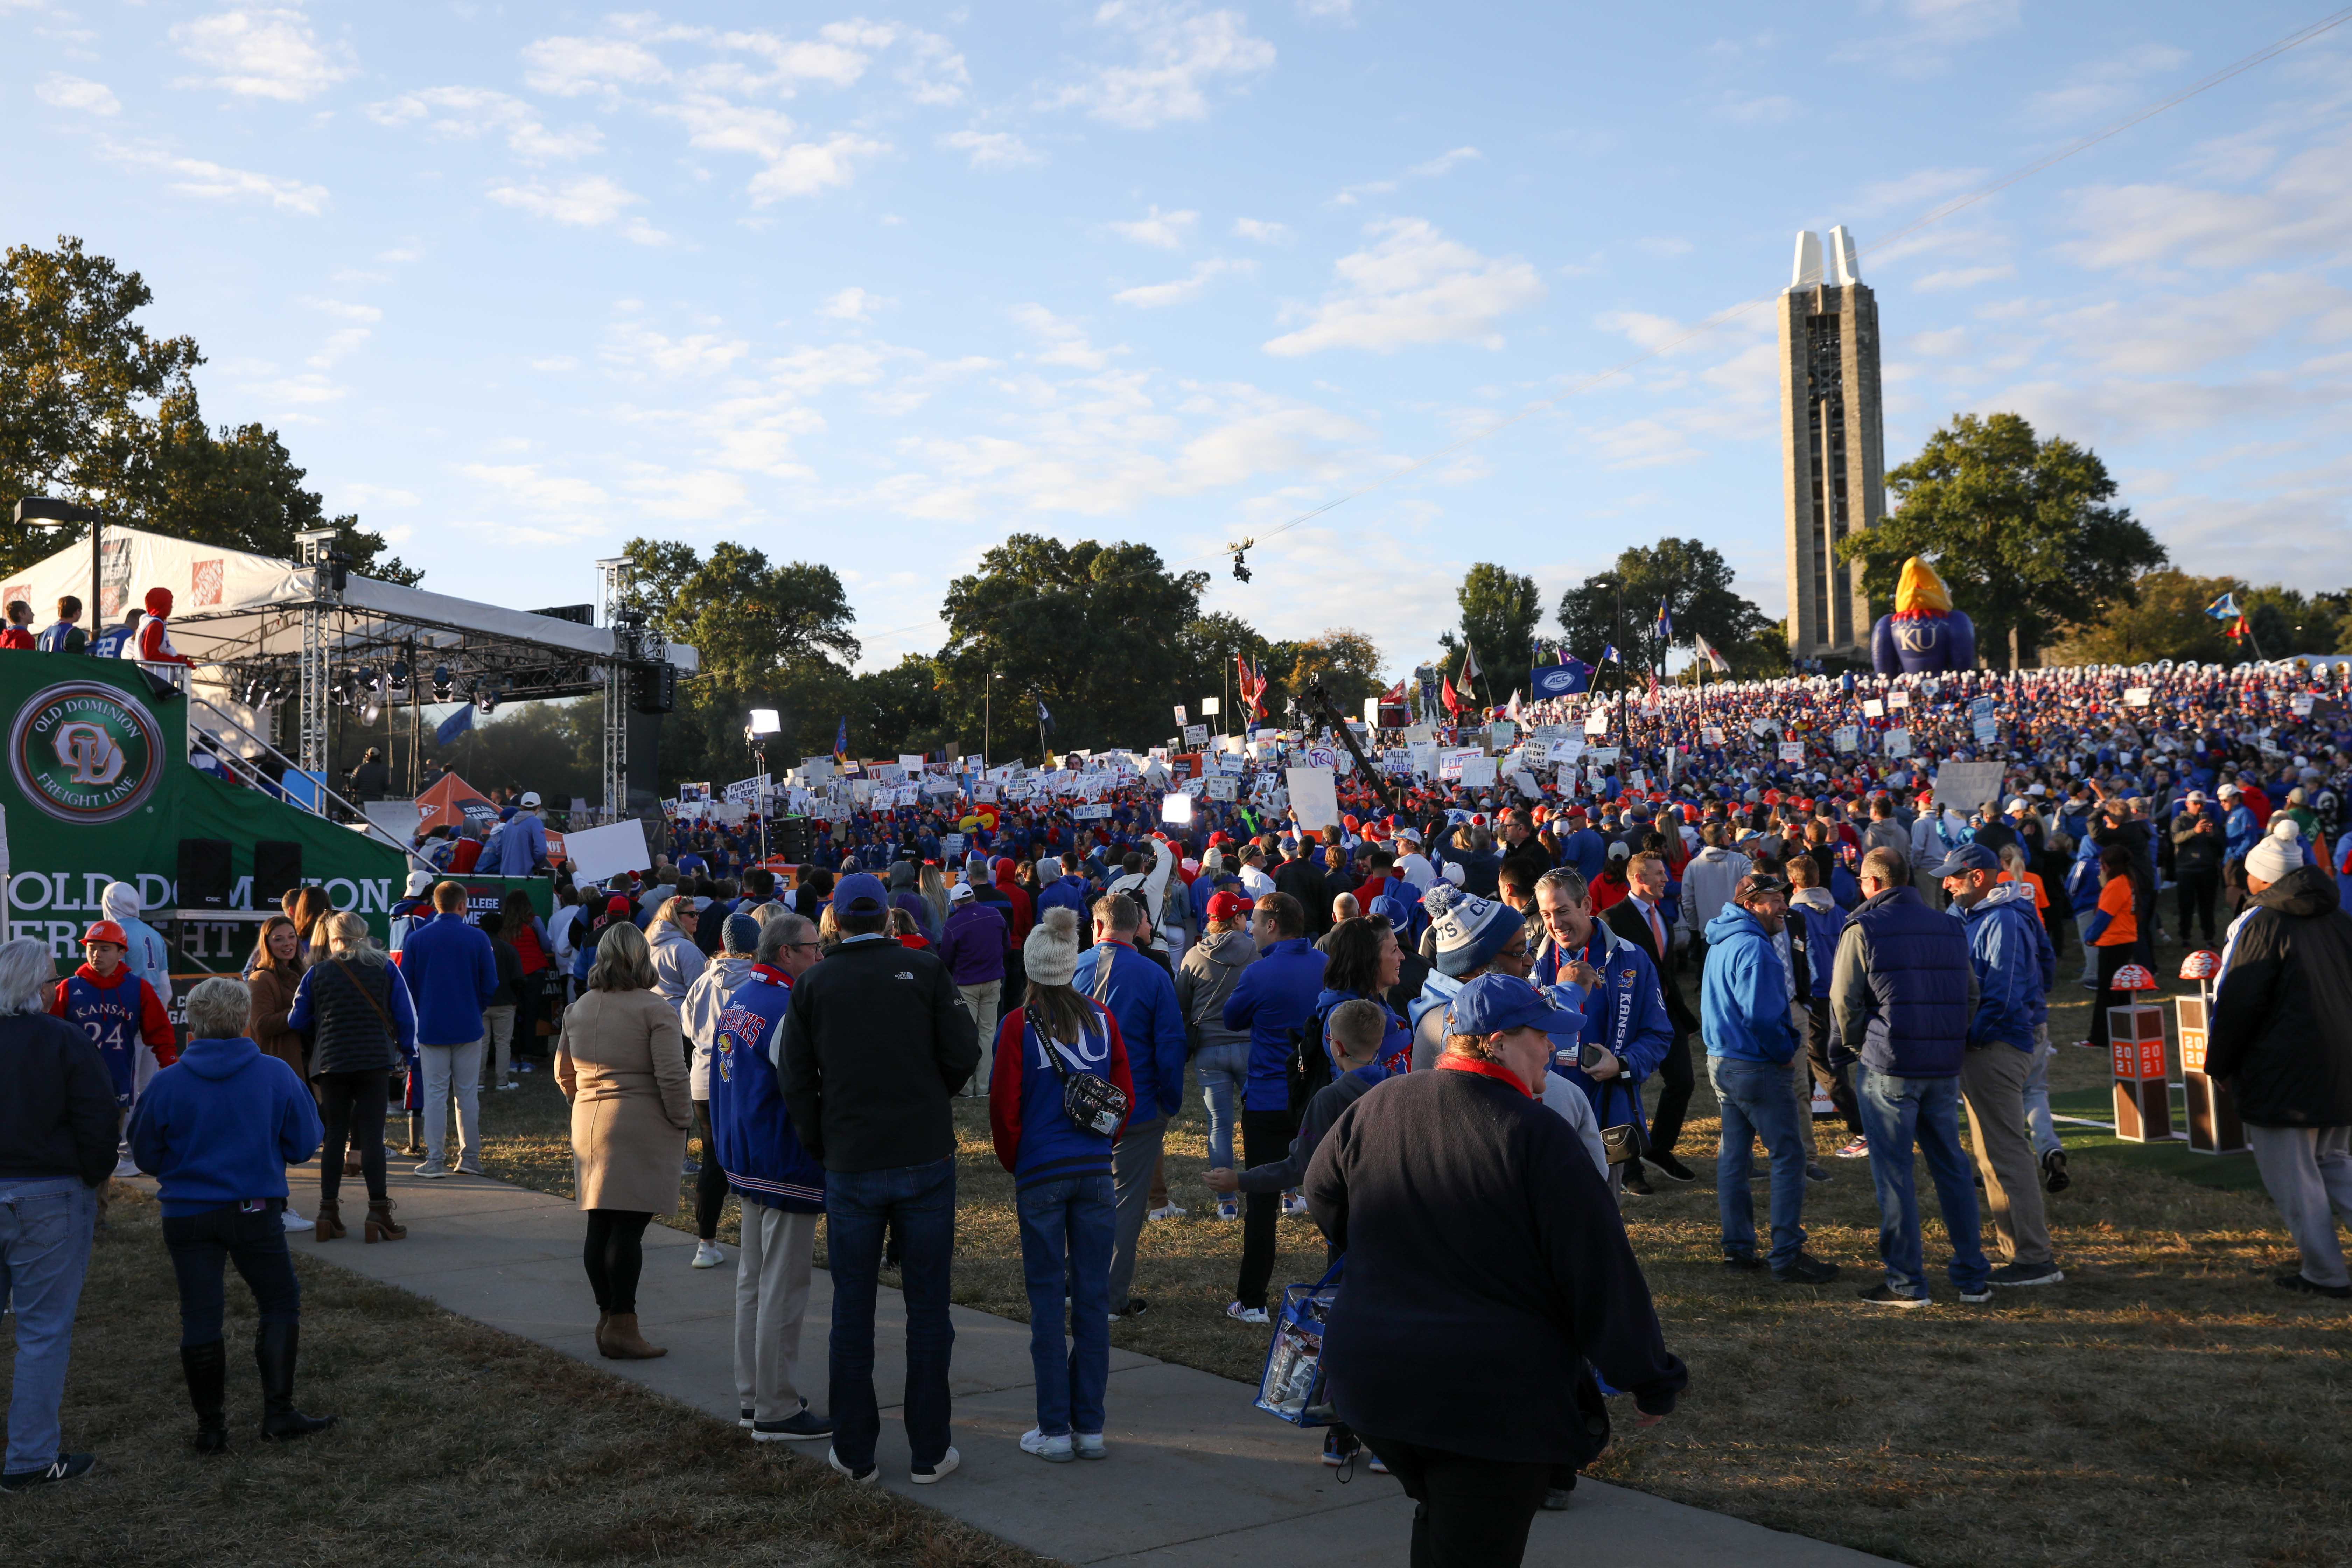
(1052, 1450)
(509, 1084)
(1089, 1444)
(126, 1169)
(939, 1472)
(1294, 1207)
(431, 1169)
(708, 1255)
(1165, 1211)
(1242, 1314)
(296, 1222)
(871, 1473)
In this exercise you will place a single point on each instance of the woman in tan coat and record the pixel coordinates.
(272, 975)
(621, 1061)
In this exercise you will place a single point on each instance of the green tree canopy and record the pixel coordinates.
(1500, 611)
(95, 408)
(1097, 630)
(1346, 661)
(1696, 583)
(2023, 532)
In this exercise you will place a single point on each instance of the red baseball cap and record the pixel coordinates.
(1225, 906)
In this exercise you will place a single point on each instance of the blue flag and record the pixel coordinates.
(841, 737)
(455, 725)
(1562, 679)
(2224, 608)
(1609, 653)
(1666, 624)
(1044, 719)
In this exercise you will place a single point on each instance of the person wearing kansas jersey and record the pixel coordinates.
(1624, 1009)
(780, 1184)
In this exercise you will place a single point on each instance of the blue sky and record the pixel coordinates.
(876, 289)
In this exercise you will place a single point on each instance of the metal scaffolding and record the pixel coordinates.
(615, 612)
(313, 751)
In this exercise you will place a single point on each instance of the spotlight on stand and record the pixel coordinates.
(486, 697)
(445, 686)
(396, 684)
(766, 722)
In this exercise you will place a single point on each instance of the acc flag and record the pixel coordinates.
(1562, 679)
(455, 725)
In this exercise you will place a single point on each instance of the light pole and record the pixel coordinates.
(765, 721)
(44, 509)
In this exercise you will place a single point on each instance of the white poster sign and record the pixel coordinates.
(600, 854)
(1314, 797)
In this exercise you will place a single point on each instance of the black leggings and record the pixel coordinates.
(614, 1255)
(710, 1185)
(202, 1245)
(351, 1106)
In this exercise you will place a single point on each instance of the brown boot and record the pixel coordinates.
(329, 1226)
(620, 1340)
(379, 1224)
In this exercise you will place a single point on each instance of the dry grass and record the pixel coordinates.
(2166, 1404)
(457, 1444)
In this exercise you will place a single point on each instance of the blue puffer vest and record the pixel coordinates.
(1918, 1009)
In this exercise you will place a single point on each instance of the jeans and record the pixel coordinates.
(45, 1223)
(2090, 953)
(1757, 1103)
(1222, 1070)
(1896, 1112)
(1134, 1164)
(1266, 1137)
(252, 1238)
(918, 1203)
(2037, 1122)
(351, 1109)
(2308, 1174)
(1065, 1242)
(447, 1067)
(1470, 1513)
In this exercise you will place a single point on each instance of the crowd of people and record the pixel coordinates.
(1510, 983)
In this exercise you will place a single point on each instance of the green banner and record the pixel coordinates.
(97, 789)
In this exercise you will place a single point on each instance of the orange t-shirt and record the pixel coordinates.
(2033, 880)
(2115, 903)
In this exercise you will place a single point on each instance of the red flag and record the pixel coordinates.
(1452, 704)
(1394, 694)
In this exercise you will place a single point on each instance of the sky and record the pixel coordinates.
(517, 284)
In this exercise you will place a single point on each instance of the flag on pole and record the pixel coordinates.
(1469, 662)
(841, 737)
(2225, 608)
(2236, 630)
(1609, 653)
(455, 725)
(1452, 698)
(1666, 623)
(1513, 710)
(1706, 650)
(1044, 718)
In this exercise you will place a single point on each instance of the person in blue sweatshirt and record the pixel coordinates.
(1143, 997)
(1062, 1182)
(452, 973)
(1746, 1016)
(1060, 887)
(1274, 1000)
(217, 1130)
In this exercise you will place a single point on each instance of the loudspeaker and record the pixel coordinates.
(793, 837)
(204, 880)
(657, 687)
(277, 866)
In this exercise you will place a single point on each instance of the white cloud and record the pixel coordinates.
(358, 496)
(2103, 86)
(1413, 286)
(991, 149)
(555, 364)
(570, 67)
(77, 95)
(590, 202)
(1343, 10)
(1167, 231)
(1919, 188)
(1964, 277)
(634, 347)
(808, 167)
(1445, 164)
(854, 305)
(216, 182)
(1753, 109)
(522, 485)
(2304, 210)
(297, 391)
(1930, 31)
(1263, 232)
(1065, 341)
(1152, 296)
(1181, 53)
(367, 315)
(258, 53)
(466, 112)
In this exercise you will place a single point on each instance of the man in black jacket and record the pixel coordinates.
(1641, 918)
(875, 1043)
(1303, 880)
(2282, 1041)
(1488, 1276)
(58, 1131)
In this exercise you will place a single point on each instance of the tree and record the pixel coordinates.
(1500, 611)
(1345, 661)
(2163, 619)
(898, 710)
(1095, 630)
(94, 408)
(2023, 531)
(1696, 583)
(1210, 643)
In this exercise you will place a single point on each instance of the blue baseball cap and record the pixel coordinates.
(1969, 857)
(860, 893)
(1496, 1003)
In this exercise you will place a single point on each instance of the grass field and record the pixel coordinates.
(2166, 1404)
(456, 1443)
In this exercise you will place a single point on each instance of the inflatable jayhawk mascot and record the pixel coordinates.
(1924, 634)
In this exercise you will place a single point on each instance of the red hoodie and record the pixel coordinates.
(1023, 916)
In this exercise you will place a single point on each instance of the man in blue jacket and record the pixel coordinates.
(2014, 965)
(1059, 888)
(1139, 994)
(1904, 994)
(521, 847)
(1272, 1000)
(1746, 1014)
(1625, 1006)
(452, 972)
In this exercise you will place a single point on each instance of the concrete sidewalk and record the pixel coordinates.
(1195, 1476)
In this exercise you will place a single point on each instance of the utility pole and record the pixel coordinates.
(987, 715)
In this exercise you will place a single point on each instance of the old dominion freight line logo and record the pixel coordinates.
(85, 753)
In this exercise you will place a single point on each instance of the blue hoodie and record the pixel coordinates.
(1069, 893)
(452, 973)
(1273, 996)
(2015, 966)
(221, 1125)
(1743, 999)
(1150, 1025)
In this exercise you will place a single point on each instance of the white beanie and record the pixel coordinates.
(2280, 851)
(1470, 930)
(1050, 956)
